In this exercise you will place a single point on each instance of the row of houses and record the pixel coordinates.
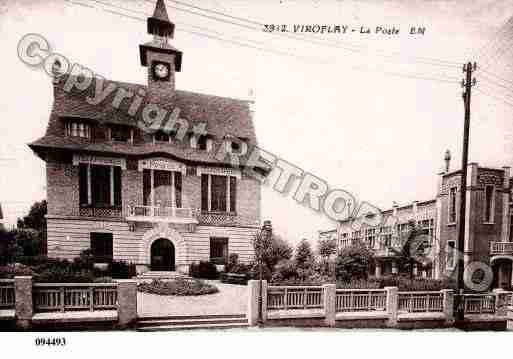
(488, 226)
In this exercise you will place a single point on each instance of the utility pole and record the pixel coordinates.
(467, 84)
(265, 242)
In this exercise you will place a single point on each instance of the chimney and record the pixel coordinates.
(447, 159)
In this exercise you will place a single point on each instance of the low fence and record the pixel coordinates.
(418, 302)
(74, 296)
(385, 307)
(358, 300)
(480, 303)
(283, 298)
(7, 297)
(58, 303)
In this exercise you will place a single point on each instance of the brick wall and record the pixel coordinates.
(62, 189)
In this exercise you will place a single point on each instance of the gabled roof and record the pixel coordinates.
(223, 116)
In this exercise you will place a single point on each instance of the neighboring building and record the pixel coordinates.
(2, 224)
(488, 225)
(148, 198)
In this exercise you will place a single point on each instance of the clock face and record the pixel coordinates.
(161, 71)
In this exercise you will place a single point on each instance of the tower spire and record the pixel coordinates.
(159, 23)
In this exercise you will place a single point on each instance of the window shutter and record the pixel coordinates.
(204, 192)
(233, 194)
(117, 186)
(82, 184)
(178, 189)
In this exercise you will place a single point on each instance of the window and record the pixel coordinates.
(451, 254)
(386, 234)
(161, 136)
(356, 237)
(511, 228)
(218, 250)
(78, 129)
(121, 133)
(452, 205)
(370, 237)
(99, 186)
(429, 226)
(489, 203)
(101, 246)
(344, 240)
(202, 142)
(167, 186)
(218, 193)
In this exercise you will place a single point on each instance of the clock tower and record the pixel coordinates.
(160, 58)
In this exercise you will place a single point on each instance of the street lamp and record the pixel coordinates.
(263, 243)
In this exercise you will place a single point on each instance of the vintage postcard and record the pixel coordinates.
(243, 167)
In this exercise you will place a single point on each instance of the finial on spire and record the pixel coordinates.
(159, 24)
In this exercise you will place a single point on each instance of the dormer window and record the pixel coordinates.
(202, 142)
(121, 133)
(78, 129)
(161, 136)
(236, 145)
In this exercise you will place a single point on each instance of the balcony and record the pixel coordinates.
(161, 214)
(218, 218)
(501, 248)
(100, 212)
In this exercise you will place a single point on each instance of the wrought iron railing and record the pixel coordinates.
(504, 248)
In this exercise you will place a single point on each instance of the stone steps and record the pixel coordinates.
(192, 322)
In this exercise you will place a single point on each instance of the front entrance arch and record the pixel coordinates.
(162, 255)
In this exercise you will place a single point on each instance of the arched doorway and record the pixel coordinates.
(162, 255)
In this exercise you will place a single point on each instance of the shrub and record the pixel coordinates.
(353, 262)
(103, 280)
(403, 283)
(122, 270)
(204, 270)
(64, 275)
(179, 286)
(285, 270)
(11, 270)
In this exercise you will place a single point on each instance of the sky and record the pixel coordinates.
(368, 113)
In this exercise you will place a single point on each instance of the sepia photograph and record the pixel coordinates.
(299, 171)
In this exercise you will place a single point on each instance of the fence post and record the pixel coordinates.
(127, 302)
(448, 305)
(264, 301)
(24, 306)
(252, 302)
(500, 302)
(392, 305)
(330, 297)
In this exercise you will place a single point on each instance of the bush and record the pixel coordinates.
(179, 286)
(353, 262)
(11, 270)
(204, 270)
(122, 270)
(65, 275)
(403, 283)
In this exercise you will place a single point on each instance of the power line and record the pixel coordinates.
(238, 43)
(300, 37)
(495, 97)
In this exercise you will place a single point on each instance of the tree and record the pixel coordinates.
(326, 247)
(31, 230)
(413, 249)
(304, 256)
(353, 262)
(8, 247)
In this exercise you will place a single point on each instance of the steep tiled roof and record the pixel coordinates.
(160, 11)
(223, 116)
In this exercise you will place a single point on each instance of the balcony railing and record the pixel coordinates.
(161, 214)
(501, 248)
(217, 218)
(100, 212)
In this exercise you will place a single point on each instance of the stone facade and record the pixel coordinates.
(434, 216)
